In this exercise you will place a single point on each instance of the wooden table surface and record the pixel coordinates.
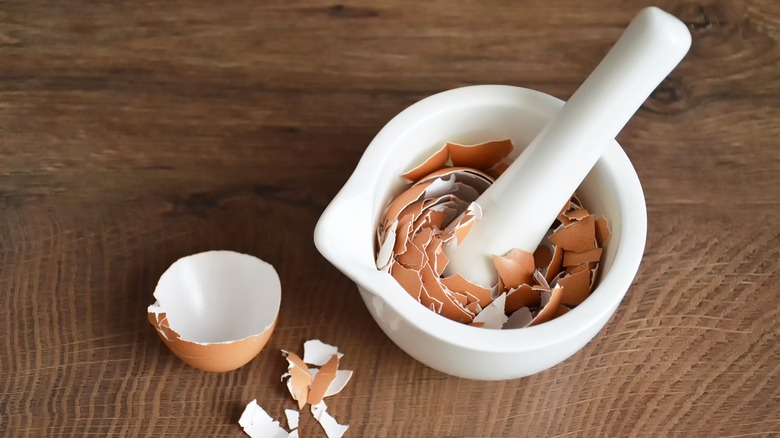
(137, 132)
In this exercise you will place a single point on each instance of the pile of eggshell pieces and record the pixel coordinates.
(309, 379)
(439, 209)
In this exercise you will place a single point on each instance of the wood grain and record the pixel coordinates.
(137, 132)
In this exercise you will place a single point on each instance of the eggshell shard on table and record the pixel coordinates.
(292, 418)
(308, 384)
(298, 378)
(322, 381)
(316, 352)
(332, 428)
(437, 212)
(216, 310)
(258, 424)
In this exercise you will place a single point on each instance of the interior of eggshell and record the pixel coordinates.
(219, 296)
(472, 125)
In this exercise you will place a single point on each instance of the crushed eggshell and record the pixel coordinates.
(322, 380)
(258, 424)
(299, 378)
(316, 352)
(292, 418)
(310, 384)
(216, 310)
(438, 210)
(332, 428)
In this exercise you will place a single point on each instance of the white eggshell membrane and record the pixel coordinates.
(216, 298)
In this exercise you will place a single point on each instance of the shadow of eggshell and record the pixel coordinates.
(216, 310)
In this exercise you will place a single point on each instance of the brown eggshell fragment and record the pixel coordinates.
(549, 259)
(524, 258)
(567, 207)
(570, 270)
(414, 258)
(463, 228)
(549, 309)
(579, 236)
(404, 200)
(523, 296)
(602, 231)
(576, 214)
(433, 251)
(481, 156)
(408, 279)
(572, 258)
(437, 218)
(300, 378)
(325, 376)
(556, 264)
(423, 238)
(462, 299)
(450, 308)
(441, 262)
(496, 171)
(514, 269)
(434, 162)
(430, 219)
(564, 220)
(458, 283)
(402, 235)
(562, 310)
(576, 287)
(543, 255)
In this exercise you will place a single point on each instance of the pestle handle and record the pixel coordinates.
(520, 206)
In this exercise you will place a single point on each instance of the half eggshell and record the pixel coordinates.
(216, 310)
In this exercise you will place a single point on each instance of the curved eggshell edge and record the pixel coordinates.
(215, 357)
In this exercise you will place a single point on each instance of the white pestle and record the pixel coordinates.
(520, 206)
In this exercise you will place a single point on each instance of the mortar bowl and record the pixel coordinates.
(346, 233)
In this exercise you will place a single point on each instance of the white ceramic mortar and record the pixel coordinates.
(345, 234)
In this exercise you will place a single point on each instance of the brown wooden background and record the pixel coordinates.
(137, 132)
